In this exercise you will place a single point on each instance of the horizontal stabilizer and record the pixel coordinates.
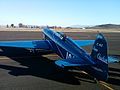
(72, 62)
(113, 59)
(80, 43)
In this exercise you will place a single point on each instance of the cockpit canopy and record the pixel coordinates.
(62, 35)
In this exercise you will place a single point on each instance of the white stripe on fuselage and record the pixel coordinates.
(69, 55)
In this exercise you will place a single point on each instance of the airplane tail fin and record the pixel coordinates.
(99, 55)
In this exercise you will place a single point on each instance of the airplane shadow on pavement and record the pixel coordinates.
(114, 76)
(39, 66)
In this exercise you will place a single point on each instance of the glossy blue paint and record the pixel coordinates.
(35, 44)
(81, 43)
(113, 59)
(71, 52)
(73, 55)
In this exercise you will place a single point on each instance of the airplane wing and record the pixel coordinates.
(35, 44)
(71, 62)
(113, 59)
(83, 42)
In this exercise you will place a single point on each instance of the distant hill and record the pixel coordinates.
(105, 26)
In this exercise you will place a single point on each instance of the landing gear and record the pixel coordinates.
(32, 50)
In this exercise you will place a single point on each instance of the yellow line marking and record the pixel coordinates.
(101, 82)
(106, 85)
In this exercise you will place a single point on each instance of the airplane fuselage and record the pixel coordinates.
(96, 64)
(65, 47)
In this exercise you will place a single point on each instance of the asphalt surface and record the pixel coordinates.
(24, 70)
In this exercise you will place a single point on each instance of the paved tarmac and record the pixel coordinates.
(24, 70)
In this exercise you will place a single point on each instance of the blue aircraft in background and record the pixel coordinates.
(95, 64)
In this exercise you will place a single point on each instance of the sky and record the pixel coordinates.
(59, 12)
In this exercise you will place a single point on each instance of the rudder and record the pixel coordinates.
(99, 55)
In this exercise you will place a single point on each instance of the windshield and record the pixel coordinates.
(61, 35)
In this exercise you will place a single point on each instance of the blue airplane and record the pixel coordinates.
(95, 64)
